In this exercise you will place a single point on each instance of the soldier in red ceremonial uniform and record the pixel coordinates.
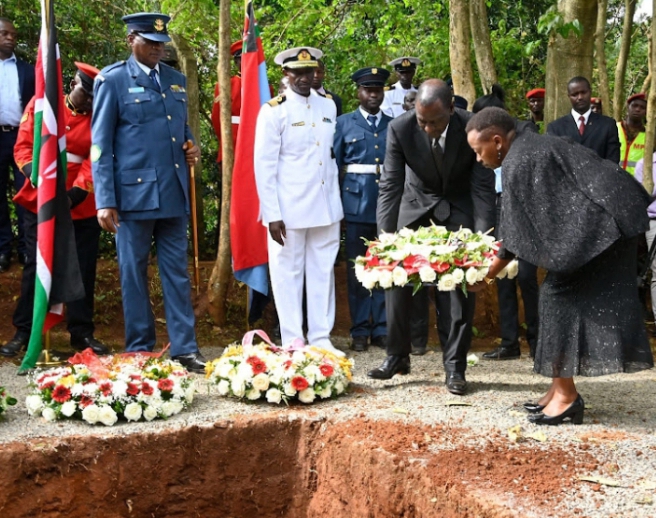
(235, 94)
(83, 211)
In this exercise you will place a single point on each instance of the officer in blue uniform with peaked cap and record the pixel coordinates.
(360, 151)
(140, 159)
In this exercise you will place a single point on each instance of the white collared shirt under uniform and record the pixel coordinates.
(393, 102)
(10, 99)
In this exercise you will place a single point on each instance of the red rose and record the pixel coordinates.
(299, 383)
(85, 401)
(135, 377)
(287, 364)
(326, 370)
(440, 267)
(48, 386)
(132, 390)
(165, 385)
(61, 394)
(106, 389)
(146, 389)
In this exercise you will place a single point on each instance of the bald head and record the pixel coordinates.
(432, 91)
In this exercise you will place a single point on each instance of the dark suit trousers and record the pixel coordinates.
(7, 165)
(79, 314)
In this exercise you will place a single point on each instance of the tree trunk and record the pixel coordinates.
(600, 51)
(189, 67)
(569, 57)
(480, 31)
(459, 50)
(647, 176)
(620, 70)
(217, 292)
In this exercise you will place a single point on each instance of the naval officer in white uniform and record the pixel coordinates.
(298, 186)
(405, 68)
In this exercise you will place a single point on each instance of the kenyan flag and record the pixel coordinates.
(58, 273)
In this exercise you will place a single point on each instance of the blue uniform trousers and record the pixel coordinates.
(7, 166)
(133, 242)
(367, 309)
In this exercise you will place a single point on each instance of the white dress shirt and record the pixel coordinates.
(393, 102)
(10, 99)
(577, 117)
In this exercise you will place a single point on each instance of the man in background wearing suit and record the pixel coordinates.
(442, 183)
(582, 125)
(16, 90)
(140, 155)
(360, 152)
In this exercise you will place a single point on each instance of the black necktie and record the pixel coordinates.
(372, 121)
(153, 77)
(438, 154)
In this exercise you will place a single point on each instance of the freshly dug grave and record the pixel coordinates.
(273, 466)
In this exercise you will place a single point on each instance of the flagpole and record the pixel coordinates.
(45, 360)
(194, 220)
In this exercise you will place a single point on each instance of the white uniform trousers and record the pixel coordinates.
(308, 255)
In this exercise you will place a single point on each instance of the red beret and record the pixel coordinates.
(87, 74)
(236, 47)
(536, 92)
(636, 97)
(595, 100)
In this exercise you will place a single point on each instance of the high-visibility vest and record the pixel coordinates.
(632, 151)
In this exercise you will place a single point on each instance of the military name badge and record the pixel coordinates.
(302, 123)
(177, 88)
(136, 90)
(326, 119)
(95, 153)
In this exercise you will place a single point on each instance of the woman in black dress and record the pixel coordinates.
(578, 216)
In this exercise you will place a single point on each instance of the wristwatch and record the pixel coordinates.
(489, 281)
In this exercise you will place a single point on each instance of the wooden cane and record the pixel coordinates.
(194, 220)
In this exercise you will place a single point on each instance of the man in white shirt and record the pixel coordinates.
(405, 67)
(298, 186)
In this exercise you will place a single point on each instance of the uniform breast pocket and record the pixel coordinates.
(180, 102)
(135, 106)
(139, 190)
(355, 146)
(351, 196)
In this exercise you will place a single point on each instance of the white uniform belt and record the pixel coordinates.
(235, 119)
(74, 159)
(364, 168)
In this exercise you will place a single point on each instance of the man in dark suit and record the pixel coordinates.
(17, 88)
(431, 174)
(317, 84)
(586, 127)
(142, 147)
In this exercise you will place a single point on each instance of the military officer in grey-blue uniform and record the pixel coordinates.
(359, 151)
(141, 147)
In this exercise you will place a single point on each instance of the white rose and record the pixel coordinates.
(49, 414)
(225, 369)
(482, 273)
(69, 408)
(458, 275)
(273, 395)
(155, 402)
(471, 276)
(189, 393)
(385, 279)
(253, 394)
(107, 416)
(427, 274)
(289, 390)
(224, 387)
(307, 395)
(150, 413)
(513, 269)
(400, 276)
(77, 389)
(238, 387)
(446, 283)
(325, 393)
(276, 377)
(339, 387)
(245, 371)
(359, 270)
(168, 408)
(91, 414)
(176, 407)
(370, 279)
(261, 382)
(34, 404)
(133, 411)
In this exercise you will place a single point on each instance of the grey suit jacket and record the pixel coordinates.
(412, 188)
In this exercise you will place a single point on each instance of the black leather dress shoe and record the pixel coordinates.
(359, 343)
(456, 383)
(4, 262)
(418, 351)
(574, 412)
(391, 366)
(193, 362)
(82, 343)
(14, 346)
(503, 353)
(380, 341)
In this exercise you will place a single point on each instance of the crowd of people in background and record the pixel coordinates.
(408, 156)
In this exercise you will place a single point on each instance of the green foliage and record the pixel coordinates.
(552, 22)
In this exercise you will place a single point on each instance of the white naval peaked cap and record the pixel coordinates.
(405, 62)
(299, 57)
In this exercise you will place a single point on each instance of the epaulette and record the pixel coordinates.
(100, 77)
(328, 96)
(389, 88)
(277, 100)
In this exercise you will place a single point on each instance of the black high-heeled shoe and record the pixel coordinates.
(533, 408)
(573, 412)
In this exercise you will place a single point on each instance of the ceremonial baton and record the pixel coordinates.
(194, 219)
